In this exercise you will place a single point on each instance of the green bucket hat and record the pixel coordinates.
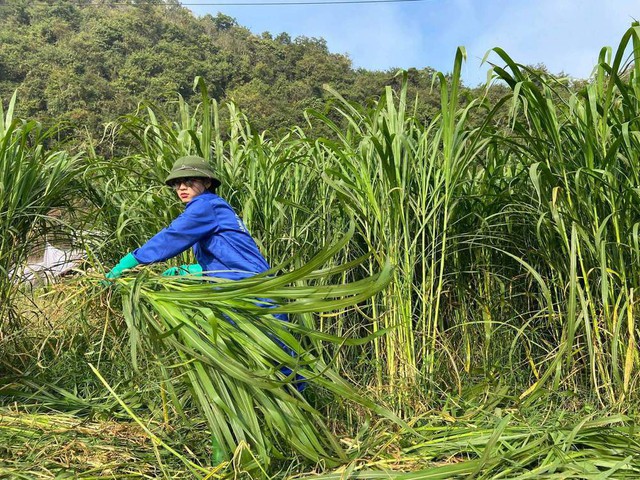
(192, 166)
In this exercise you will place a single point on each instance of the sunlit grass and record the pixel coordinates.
(489, 269)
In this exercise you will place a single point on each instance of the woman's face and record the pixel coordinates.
(189, 188)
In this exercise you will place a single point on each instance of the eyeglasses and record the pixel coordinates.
(188, 182)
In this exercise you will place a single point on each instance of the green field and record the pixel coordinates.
(462, 292)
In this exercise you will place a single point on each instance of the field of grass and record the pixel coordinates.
(462, 293)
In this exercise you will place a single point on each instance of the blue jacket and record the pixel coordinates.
(221, 242)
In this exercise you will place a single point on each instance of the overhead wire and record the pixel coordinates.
(225, 4)
(310, 2)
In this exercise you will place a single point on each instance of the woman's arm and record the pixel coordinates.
(196, 222)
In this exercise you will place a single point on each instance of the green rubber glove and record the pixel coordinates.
(128, 261)
(193, 269)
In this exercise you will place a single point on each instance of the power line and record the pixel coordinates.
(227, 4)
(311, 2)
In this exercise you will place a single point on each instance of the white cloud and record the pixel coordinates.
(565, 35)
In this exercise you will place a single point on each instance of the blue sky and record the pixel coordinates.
(565, 35)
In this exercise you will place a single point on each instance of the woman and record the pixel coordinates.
(221, 243)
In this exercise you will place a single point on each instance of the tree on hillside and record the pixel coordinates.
(85, 63)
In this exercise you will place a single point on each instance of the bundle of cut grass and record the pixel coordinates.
(241, 363)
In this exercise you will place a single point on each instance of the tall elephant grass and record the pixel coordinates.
(581, 215)
(37, 187)
(515, 251)
(407, 185)
(509, 245)
(515, 245)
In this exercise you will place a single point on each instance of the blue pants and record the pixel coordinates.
(299, 382)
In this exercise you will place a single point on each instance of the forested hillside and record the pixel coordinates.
(86, 63)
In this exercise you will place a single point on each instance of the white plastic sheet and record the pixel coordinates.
(55, 262)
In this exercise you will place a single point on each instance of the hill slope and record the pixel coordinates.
(87, 63)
